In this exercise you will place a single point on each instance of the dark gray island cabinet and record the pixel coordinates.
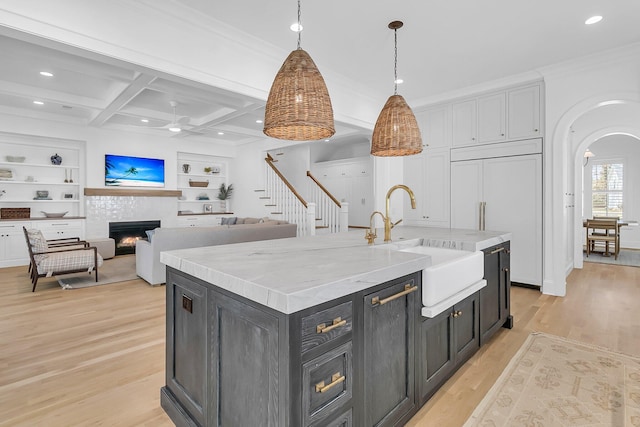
(365, 359)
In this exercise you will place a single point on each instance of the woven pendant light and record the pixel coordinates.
(396, 132)
(298, 107)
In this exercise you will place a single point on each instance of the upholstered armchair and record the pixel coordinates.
(62, 256)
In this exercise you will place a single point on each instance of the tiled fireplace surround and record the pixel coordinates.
(101, 210)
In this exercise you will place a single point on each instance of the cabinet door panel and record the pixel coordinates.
(414, 178)
(491, 314)
(524, 112)
(187, 346)
(466, 327)
(437, 191)
(513, 196)
(433, 124)
(389, 356)
(466, 193)
(244, 365)
(491, 118)
(437, 358)
(464, 123)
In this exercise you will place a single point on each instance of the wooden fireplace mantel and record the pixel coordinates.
(121, 192)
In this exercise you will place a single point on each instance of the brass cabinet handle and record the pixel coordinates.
(456, 313)
(407, 290)
(322, 328)
(495, 251)
(335, 380)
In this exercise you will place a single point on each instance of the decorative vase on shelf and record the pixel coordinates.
(186, 168)
(56, 159)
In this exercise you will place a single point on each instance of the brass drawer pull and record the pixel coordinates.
(407, 290)
(322, 328)
(335, 380)
(495, 251)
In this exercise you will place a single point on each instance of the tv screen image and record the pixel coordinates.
(128, 171)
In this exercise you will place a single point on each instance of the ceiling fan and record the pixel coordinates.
(177, 125)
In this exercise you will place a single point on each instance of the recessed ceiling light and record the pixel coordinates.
(296, 27)
(326, 140)
(593, 20)
(144, 120)
(46, 74)
(399, 81)
(38, 102)
(175, 129)
(220, 133)
(258, 121)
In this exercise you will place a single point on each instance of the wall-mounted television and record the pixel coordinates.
(129, 171)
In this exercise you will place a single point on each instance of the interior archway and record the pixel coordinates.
(606, 121)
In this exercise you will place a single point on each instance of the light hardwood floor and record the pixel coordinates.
(95, 356)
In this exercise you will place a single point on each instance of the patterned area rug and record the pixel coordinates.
(552, 382)
(118, 269)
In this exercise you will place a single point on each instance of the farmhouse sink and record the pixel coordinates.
(449, 272)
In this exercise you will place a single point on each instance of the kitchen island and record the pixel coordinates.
(319, 331)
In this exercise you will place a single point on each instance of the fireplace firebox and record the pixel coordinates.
(126, 233)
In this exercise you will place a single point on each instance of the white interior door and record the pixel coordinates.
(466, 193)
(512, 191)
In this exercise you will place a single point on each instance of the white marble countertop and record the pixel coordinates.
(292, 274)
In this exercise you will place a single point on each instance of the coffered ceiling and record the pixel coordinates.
(445, 46)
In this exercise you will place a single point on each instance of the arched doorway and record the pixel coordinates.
(607, 121)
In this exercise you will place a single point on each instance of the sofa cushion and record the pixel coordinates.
(251, 220)
(229, 221)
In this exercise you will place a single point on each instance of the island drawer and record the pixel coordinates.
(327, 383)
(326, 325)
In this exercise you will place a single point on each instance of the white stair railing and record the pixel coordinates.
(286, 202)
(331, 214)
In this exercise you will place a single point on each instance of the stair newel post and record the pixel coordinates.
(344, 217)
(311, 219)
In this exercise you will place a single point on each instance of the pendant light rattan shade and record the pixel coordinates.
(298, 107)
(396, 132)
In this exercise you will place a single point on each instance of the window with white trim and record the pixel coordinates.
(607, 183)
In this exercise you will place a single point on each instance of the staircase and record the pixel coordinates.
(322, 215)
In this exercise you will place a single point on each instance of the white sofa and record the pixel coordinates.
(149, 267)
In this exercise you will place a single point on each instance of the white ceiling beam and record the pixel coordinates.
(141, 82)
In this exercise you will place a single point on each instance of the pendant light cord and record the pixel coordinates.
(395, 62)
(299, 26)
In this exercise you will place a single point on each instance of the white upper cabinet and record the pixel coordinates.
(507, 115)
(491, 118)
(524, 112)
(427, 174)
(434, 126)
(464, 119)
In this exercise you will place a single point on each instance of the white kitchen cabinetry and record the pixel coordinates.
(349, 180)
(524, 112)
(434, 126)
(191, 168)
(503, 193)
(507, 115)
(464, 121)
(26, 168)
(13, 246)
(491, 118)
(427, 174)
